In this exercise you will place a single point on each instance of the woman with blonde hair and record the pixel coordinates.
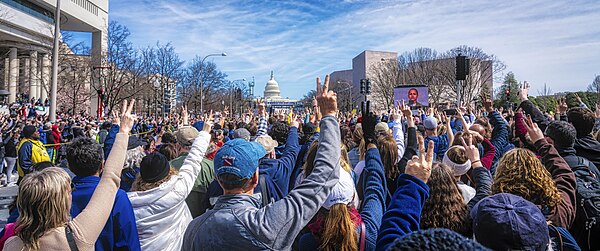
(158, 195)
(339, 225)
(44, 202)
(548, 183)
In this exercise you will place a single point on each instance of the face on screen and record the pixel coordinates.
(413, 95)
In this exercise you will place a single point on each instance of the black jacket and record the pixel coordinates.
(589, 148)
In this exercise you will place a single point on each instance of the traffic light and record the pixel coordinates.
(462, 67)
(363, 86)
(368, 87)
(507, 92)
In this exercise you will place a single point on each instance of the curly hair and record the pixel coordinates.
(279, 132)
(520, 173)
(445, 207)
(84, 156)
(388, 150)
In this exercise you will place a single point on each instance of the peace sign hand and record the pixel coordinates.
(127, 119)
(470, 148)
(420, 166)
(533, 130)
(326, 98)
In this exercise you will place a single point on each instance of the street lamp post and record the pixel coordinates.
(54, 84)
(202, 82)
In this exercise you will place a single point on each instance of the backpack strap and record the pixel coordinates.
(560, 243)
(264, 191)
(362, 236)
(70, 238)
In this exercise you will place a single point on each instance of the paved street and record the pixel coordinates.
(7, 195)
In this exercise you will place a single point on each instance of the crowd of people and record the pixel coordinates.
(483, 179)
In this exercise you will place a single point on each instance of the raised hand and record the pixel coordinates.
(185, 115)
(369, 120)
(326, 98)
(562, 106)
(208, 123)
(470, 148)
(294, 122)
(410, 121)
(262, 108)
(115, 119)
(127, 119)
(420, 166)
(533, 130)
(524, 91)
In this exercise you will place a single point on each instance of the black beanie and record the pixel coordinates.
(154, 167)
(435, 239)
(28, 131)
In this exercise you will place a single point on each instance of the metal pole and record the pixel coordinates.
(55, 63)
(457, 93)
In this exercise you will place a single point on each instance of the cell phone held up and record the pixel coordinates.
(451, 112)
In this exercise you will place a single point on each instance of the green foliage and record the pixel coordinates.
(589, 98)
(510, 83)
(545, 103)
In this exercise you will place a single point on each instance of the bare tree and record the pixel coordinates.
(384, 77)
(206, 75)
(122, 77)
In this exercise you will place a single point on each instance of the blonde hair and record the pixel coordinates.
(44, 203)
(311, 154)
(339, 231)
(520, 173)
(140, 185)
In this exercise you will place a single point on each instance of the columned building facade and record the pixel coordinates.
(26, 33)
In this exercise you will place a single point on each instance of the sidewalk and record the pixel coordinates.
(7, 195)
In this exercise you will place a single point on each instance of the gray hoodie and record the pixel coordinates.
(238, 222)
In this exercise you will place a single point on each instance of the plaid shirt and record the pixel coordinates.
(263, 125)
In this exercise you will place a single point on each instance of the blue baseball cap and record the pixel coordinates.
(508, 222)
(238, 157)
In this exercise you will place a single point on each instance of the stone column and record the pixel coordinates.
(23, 87)
(99, 46)
(45, 83)
(33, 76)
(13, 75)
(6, 73)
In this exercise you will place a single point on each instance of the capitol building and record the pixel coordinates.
(272, 96)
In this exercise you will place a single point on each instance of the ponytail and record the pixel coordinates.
(339, 231)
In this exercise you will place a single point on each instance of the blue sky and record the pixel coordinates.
(553, 42)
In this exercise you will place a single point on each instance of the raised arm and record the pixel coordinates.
(403, 215)
(193, 162)
(304, 201)
(563, 214)
(90, 222)
(397, 131)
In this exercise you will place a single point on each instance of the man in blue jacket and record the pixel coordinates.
(85, 159)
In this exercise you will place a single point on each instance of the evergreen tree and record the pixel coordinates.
(508, 93)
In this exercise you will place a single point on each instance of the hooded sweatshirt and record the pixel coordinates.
(161, 213)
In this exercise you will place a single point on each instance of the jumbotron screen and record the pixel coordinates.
(412, 95)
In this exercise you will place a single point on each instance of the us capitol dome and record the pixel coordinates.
(272, 96)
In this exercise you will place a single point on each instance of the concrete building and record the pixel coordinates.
(26, 32)
(362, 68)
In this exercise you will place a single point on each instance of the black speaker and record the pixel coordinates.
(461, 67)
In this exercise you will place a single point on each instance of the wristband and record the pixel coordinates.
(473, 162)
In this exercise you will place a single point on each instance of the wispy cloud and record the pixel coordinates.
(551, 42)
